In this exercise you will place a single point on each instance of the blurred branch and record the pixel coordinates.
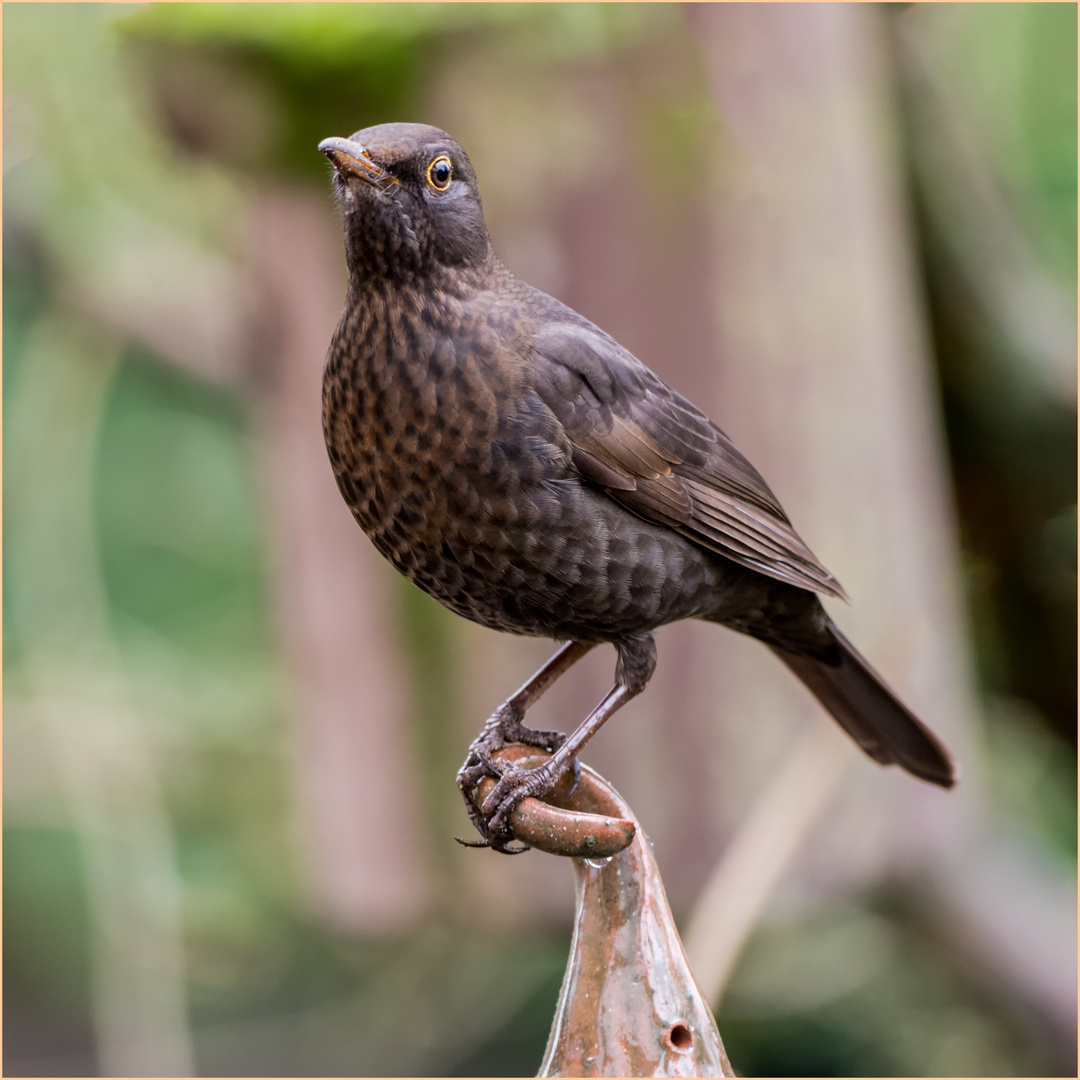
(771, 836)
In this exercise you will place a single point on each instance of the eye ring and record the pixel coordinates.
(440, 172)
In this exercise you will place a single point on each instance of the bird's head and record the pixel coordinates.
(410, 201)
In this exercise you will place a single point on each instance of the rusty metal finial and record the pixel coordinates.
(629, 1004)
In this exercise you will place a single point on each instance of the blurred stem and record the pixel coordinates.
(772, 834)
(75, 679)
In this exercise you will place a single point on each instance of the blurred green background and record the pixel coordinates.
(158, 852)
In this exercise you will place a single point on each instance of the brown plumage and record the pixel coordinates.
(528, 472)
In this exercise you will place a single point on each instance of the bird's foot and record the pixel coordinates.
(477, 766)
(513, 783)
(505, 726)
(495, 835)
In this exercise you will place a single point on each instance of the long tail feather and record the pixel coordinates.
(871, 714)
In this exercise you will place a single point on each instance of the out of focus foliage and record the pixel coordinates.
(126, 126)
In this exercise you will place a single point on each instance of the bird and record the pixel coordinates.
(519, 465)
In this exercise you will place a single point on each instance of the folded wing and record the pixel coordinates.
(658, 455)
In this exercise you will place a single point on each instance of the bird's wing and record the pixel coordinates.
(660, 456)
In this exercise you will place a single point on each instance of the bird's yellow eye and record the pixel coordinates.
(439, 173)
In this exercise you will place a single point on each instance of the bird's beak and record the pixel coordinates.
(352, 159)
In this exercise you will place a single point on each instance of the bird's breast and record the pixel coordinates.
(443, 452)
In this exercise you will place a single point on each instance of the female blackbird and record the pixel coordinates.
(528, 472)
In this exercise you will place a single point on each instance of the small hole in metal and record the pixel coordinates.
(680, 1037)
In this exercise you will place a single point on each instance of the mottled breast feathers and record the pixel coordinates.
(658, 455)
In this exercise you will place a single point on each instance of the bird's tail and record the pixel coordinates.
(871, 714)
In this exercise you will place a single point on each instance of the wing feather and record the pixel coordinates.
(664, 500)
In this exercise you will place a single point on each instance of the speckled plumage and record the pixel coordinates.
(524, 469)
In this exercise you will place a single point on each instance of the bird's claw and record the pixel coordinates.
(514, 784)
(517, 732)
(504, 726)
(492, 819)
(477, 766)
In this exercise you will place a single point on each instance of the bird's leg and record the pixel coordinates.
(505, 725)
(637, 661)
